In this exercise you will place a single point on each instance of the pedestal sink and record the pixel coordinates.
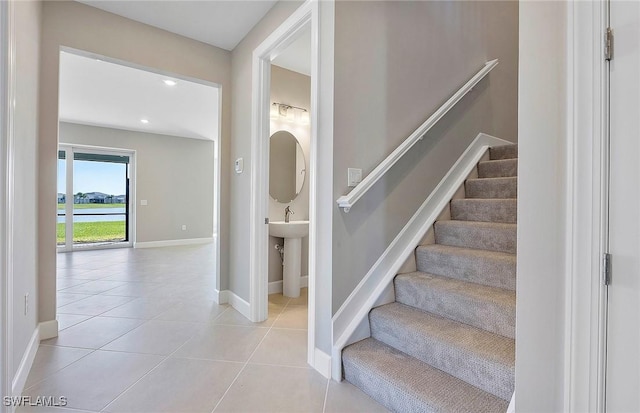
(292, 232)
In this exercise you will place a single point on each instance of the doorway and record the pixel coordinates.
(94, 194)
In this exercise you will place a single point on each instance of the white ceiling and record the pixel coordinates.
(297, 56)
(100, 93)
(221, 23)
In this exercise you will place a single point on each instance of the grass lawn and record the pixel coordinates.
(90, 206)
(85, 232)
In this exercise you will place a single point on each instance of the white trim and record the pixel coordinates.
(363, 298)
(238, 303)
(48, 329)
(173, 242)
(307, 14)
(221, 297)
(322, 363)
(586, 163)
(7, 110)
(29, 355)
(347, 201)
(275, 287)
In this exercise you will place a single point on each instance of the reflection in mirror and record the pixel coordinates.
(287, 167)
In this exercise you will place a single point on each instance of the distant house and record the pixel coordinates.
(119, 199)
(62, 198)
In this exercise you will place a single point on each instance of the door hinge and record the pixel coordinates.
(606, 268)
(266, 220)
(608, 44)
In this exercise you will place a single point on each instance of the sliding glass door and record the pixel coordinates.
(94, 208)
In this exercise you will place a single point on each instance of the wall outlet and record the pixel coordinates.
(184, 227)
(238, 165)
(143, 202)
(354, 177)
(26, 304)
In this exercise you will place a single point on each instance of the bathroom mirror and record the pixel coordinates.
(287, 167)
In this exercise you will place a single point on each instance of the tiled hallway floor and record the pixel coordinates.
(139, 332)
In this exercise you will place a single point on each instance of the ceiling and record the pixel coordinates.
(221, 23)
(297, 56)
(100, 93)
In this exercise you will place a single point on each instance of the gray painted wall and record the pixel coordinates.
(174, 174)
(86, 28)
(294, 89)
(25, 248)
(396, 63)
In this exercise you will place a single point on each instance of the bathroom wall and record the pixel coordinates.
(293, 89)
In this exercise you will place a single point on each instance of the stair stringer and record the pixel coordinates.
(350, 323)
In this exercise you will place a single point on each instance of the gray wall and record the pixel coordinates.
(174, 174)
(542, 203)
(76, 25)
(396, 63)
(241, 144)
(25, 248)
(294, 89)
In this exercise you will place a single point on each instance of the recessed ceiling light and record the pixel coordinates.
(170, 82)
(145, 121)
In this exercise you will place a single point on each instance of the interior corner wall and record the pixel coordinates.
(396, 63)
(75, 25)
(542, 200)
(240, 196)
(173, 174)
(293, 89)
(27, 21)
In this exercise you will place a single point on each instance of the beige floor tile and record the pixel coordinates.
(94, 381)
(234, 318)
(50, 359)
(200, 312)
(282, 347)
(143, 308)
(225, 343)
(278, 298)
(64, 283)
(68, 320)
(94, 333)
(293, 317)
(155, 337)
(42, 409)
(94, 287)
(344, 397)
(302, 300)
(63, 298)
(275, 389)
(178, 385)
(94, 305)
(133, 289)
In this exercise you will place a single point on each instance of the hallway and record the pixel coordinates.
(139, 332)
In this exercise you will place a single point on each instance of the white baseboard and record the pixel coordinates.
(172, 242)
(48, 329)
(322, 363)
(276, 286)
(221, 297)
(240, 305)
(20, 378)
(362, 299)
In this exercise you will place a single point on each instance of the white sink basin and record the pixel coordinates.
(292, 229)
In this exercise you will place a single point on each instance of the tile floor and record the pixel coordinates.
(139, 332)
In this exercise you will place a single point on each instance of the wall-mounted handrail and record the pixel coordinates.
(347, 201)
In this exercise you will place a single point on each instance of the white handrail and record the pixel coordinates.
(347, 201)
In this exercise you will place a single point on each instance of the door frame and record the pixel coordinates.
(274, 44)
(7, 113)
(71, 149)
(587, 207)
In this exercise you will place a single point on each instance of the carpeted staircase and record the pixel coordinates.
(447, 343)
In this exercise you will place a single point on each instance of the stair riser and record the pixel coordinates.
(495, 272)
(489, 375)
(491, 188)
(490, 316)
(503, 210)
(498, 169)
(500, 239)
(503, 152)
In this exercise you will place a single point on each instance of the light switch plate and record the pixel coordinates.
(143, 202)
(354, 177)
(239, 165)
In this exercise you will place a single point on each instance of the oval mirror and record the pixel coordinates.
(287, 167)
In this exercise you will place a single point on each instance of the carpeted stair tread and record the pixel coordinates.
(480, 358)
(485, 210)
(492, 187)
(404, 384)
(503, 152)
(492, 268)
(498, 168)
(492, 236)
(489, 308)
